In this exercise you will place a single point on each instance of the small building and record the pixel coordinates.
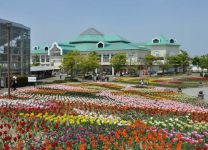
(19, 48)
(164, 47)
(41, 71)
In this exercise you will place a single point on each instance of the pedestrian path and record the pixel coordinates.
(3, 90)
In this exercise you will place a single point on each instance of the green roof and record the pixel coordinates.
(162, 41)
(115, 38)
(88, 40)
(40, 49)
(91, 35)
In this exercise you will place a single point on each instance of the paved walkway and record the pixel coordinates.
(195, 91)
(3, 90)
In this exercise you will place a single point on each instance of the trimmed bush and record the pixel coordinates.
(23, 81)
(60, 81)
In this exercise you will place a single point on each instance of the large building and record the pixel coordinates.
(20, 49)
(106, 46)
(91, 40)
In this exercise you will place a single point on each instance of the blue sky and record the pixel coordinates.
(136, 20)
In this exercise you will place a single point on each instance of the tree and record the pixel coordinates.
(203, 62)
(148, 61)
(0, 70)
(164, 66)
(196, 60)
(71, 63)
(174, 61)
(184, 60)
(89, 62)
(181, 59)
(36, 60)
(118, 61)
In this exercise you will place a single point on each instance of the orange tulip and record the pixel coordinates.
(178, 146)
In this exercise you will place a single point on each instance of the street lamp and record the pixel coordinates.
(8, 55)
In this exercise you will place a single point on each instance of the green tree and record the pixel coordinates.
(118, 62)
(36, 60)
(89, 62)
(181, 59)
(196, 61)
(148, 61)
(164, 66)
(71, 63)
(174, 61)
(184, 60)
(203, 62)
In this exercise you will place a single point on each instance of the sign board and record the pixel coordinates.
(32, 79)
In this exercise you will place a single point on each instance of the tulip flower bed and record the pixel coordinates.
(103, 84)
(175, 81)
(55, 117)
(158, 94)
(196, 78)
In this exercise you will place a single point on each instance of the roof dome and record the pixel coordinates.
(91, 31)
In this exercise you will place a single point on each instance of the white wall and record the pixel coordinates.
(165, 50)
(133, 56)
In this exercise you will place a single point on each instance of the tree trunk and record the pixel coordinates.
(121, 74)
(184, 68)
(72, 72)
(176, 69)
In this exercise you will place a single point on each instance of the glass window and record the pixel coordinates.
(47, 58)
(172, 41)
(157, 54)
(55, 51)
(46, 48)
(42, 58)
(105, 57)
(156, 41)
(100, 45)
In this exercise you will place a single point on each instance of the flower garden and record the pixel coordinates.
(175, 82)
(99, 115)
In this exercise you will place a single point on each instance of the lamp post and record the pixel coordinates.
(8, 55)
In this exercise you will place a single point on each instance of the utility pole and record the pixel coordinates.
(8, 55)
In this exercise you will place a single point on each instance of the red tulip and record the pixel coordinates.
(6, 146)
(54, 144)
(68, 143)
(56, 126)
(29, 135)
(15, 139)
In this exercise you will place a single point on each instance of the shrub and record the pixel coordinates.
(59, 81)
(71, 80)
(23, 81)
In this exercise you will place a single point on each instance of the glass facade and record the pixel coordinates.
(19, 48)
